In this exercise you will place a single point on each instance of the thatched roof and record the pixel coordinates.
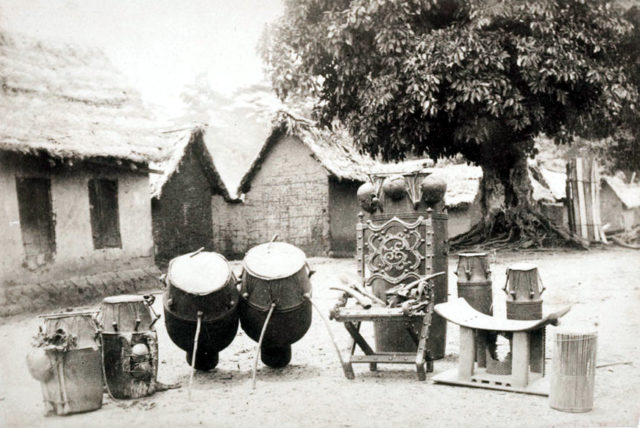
(183, 140)
(629, 194)
(69, 102)
(334, 150)
(463, 183)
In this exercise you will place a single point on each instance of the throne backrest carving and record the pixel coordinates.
(394, 250)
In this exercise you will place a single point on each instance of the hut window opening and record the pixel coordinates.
(103, 207)
(36, 220)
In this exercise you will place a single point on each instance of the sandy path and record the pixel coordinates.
(602, 285)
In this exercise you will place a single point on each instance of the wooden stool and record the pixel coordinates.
(471, 323)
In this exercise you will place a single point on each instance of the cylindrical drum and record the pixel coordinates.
(201, 282)
(474, 281)
(573, 371)
(67, 362)
(474, 285)
(276, 273)
(524, 292)
(129, 345)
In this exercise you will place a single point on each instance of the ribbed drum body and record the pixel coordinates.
(216, 297)
(573, 371)
(276, 274)
(75, 384)
(129, 346)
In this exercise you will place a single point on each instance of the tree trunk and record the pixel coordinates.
(510, 217)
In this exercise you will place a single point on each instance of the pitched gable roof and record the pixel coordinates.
(183, 140)
(629, 194)
(334, 150)
(69, 102)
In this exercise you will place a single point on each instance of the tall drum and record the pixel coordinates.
(129, 345)
(276, 275)
(67, 362)
(201, 284)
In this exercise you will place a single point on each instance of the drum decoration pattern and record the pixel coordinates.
(66, 360)
(200, 288)
(407, 197)
(474, 285)
(275, 287)
(129, 345)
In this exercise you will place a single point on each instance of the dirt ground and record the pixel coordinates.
(603, 287)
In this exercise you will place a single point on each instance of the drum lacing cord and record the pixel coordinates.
(326, 323)
(259, 345)
(195, 351)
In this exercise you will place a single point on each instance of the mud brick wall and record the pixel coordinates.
(289, 196)
(75, 255)
(182, 215)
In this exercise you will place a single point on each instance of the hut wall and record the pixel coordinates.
(289, 196)
(30, 283)
(611, 209)
(182, 215)
(343, 216)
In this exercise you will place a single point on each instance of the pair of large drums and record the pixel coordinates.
(129, 345)
(201, 289)
(275, 275)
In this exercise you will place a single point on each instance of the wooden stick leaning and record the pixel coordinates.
(195, 351)
(257, 353)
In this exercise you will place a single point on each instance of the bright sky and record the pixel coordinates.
(160, 45)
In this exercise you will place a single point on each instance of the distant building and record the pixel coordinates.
(182, 197)
(301, 186)
(75, 144)
(619, 203)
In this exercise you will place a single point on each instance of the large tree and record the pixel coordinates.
(447, 77)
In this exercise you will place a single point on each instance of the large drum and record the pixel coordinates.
(67, 362)
(277, 274)
(129, 345)
(201, 282)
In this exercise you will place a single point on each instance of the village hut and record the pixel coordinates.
(183, 196)
(619, 204)
(301, 186)
(75, 144)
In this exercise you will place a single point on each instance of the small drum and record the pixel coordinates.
(201, 282)
(474, 281)
(524, 290)
(68, 363)
(129, 345)
(276, 273)
(474, 285)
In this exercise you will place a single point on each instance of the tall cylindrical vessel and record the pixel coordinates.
(573, 371)
(275, 273)
(201, 282)
(129, 345)
(68, 364)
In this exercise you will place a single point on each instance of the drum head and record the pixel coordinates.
(274, 260)
(199, 274)
(124, 298)
(523, 266)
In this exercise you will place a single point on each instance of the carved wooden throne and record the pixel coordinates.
(392, 255)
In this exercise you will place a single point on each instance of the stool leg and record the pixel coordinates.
(520, 359)
(467, 353)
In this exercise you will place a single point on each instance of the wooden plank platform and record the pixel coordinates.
(538, 385)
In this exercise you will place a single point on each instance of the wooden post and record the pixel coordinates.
(520, 359)
(467, 353)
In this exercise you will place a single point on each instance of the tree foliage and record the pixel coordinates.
(443, 77)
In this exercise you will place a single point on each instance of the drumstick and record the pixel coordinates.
(257, 354)
(326, 324)
(363, 301)
(195, 351)
(360, 289)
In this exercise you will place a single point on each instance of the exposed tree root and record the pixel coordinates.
(517, 229)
